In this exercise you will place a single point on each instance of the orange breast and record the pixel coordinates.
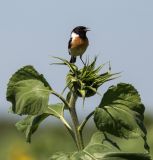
(78, 42)
(78, 46)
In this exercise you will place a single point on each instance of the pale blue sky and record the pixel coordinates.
(31, 31)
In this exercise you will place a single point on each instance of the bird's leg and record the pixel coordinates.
(82, 60)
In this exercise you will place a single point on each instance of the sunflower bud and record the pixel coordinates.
(86, 81)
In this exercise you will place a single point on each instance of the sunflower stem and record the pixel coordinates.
(72, 109)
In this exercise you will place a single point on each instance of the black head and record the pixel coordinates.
(81, 31)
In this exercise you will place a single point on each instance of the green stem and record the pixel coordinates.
(62, 118)
(61, 98)
(77, 135)
(75, 121)
(68, 127)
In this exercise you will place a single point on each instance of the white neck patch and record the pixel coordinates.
(74, 35)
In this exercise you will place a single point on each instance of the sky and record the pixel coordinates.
(33, 31)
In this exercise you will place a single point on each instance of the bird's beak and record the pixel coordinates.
(88, 29)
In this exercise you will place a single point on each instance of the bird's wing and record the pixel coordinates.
(69, 45)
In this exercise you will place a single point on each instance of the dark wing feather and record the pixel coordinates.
(69, 44)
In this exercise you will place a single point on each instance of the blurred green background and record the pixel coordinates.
(52, 137)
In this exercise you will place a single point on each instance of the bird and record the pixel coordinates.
(78, 43)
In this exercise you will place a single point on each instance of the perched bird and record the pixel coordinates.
(78, 43)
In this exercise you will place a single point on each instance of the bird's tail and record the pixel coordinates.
(73, 59)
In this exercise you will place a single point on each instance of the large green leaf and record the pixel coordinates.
(31, 97)
(120, 113)
(125, 95)
(30, 124)
(96, 150)
(25, 73)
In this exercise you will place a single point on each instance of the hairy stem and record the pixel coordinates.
(76, 134)
(75, 121)
(62, 118)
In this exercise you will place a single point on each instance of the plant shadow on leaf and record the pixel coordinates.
(120, 113)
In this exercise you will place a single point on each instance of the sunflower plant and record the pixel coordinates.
(120, 113)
